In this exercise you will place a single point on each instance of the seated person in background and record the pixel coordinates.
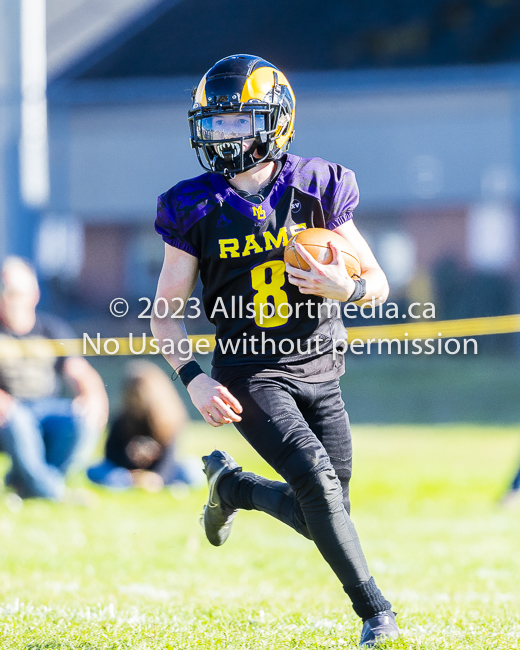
(140, 449)
(43, 434)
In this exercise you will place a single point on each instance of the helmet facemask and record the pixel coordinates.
(226, 147)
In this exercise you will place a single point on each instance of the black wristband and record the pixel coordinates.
(360, 290)
(188, 372)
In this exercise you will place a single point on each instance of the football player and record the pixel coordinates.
(275, 368)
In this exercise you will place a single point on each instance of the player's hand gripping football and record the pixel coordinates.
(327, 280)
(215, 403)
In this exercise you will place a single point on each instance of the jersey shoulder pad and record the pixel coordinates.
(189, 201)
(322, 179)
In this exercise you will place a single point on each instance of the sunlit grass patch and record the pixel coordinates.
(135, 571)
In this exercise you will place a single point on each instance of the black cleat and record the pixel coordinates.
(217, 519)
(380, 627)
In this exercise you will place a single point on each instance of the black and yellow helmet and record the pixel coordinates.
(242, 115)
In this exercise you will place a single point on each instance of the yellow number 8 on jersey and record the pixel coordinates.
(268, 313)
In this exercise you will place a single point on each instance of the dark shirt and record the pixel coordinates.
(130, 444)
(39, 375)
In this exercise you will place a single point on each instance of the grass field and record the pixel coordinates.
(134, 570)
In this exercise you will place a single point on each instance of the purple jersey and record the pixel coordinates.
(240, 248)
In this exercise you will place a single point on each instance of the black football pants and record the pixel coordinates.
(302, 430)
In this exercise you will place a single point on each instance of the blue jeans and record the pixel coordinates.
(44, 439)
(170, 469)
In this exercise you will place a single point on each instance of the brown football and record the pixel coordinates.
(316, 243)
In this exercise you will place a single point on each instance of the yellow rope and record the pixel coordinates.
(129, 346)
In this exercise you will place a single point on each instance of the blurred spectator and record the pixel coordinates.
(140, 449)
(45, 435)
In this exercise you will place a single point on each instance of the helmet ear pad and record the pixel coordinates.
(284, 132)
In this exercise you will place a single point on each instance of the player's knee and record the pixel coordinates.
(298, 522)
(320, 490)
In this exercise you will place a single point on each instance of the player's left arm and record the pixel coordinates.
(91, 399)
(374, 276)
(332, 281)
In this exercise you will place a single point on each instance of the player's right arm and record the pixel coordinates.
(176, 281)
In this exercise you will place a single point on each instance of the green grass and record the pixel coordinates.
(134, 570)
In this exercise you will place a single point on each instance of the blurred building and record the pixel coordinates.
(422, 100)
